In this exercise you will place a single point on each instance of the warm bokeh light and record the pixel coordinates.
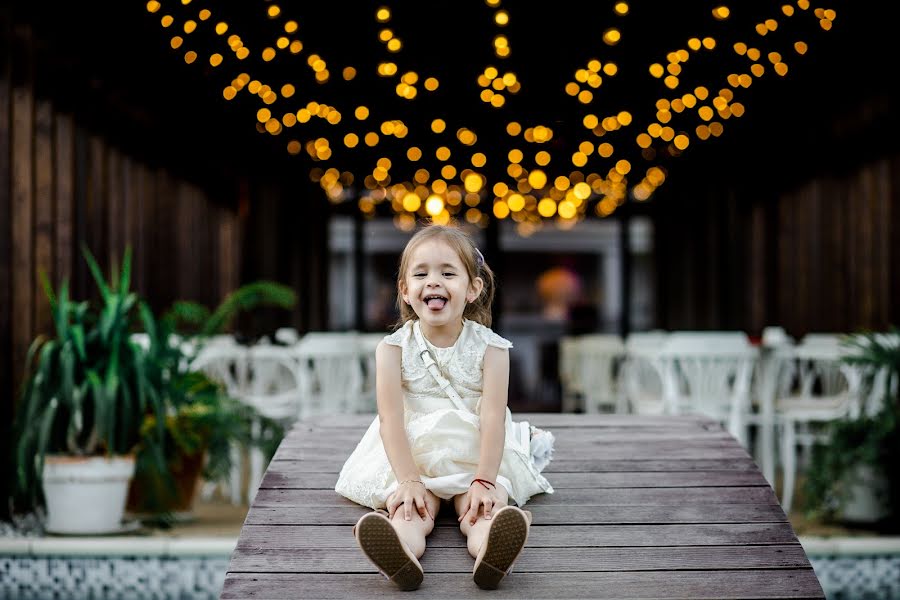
(438, 158)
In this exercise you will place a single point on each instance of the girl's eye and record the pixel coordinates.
(449, 274)
(418, 274)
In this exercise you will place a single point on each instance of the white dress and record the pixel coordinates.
(444, 440)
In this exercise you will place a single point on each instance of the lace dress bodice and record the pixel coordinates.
(461, 363)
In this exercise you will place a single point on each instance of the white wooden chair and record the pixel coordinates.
(287, 336)
(224, 363)
(597, 364)
(276, 388)
(824, 389)
(572, 391)
(334, 366)
(710, 373)
(367, 343)
(227, 364)
(641, 374)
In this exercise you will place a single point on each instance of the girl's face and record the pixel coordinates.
(437, 286)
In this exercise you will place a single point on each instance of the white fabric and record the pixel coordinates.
(445, 440)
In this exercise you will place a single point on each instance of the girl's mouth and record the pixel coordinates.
(435, 302)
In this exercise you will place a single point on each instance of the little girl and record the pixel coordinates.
(443, 429)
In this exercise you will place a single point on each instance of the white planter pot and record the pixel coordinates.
(86, 495)
(865, 503)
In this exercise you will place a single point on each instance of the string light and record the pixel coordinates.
(563, 168)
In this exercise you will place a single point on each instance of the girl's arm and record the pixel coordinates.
(495, 394)
(389, 396)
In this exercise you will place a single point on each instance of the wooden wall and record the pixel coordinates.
(818, 256)
(68, 187)
(196, 233)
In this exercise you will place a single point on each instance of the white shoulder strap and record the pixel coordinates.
(432, 367)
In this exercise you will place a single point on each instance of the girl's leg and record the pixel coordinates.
(394, 546)
(414, 531)
(476, 533)
(496, 542)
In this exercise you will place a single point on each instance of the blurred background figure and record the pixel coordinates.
(559, 288)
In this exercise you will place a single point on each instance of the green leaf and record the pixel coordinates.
(101, 407)
(99, 279)
(78, 339)
(247, 297)
(48, 291)
(125, 280)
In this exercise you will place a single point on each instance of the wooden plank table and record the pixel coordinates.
(645, 507)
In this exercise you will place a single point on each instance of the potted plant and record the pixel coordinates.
(856, 463)
(203, 425)
(85, 397)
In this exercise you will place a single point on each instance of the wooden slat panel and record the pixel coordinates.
(577, 464)
(721, 585)
(138, 181)
(549, 514)
(662, 425)
(573, 536)
(284, 473)
(581, 497)
(115, 211)
(64, 197)
(534, 560)
(23, 279)
(6, 277)
(43, 209)
(883, 317)
(574, 437)
(697, 449)
(95, 206)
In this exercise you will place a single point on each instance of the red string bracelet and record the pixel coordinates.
(487, 484)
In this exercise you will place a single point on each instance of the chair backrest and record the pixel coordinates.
(645, 342)
(336, 378)
(597, 363)
(640, 375)
(276, 386)
(822, 372)
(710, 372)
(824, 340)
(287, 336)
(315, 341)
(226, 364)
(704, 343)
(367, 343)
(774, 336)
(568, 363)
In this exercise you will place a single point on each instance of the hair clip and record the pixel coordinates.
(479, 257)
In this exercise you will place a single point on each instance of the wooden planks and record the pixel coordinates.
(644, 508)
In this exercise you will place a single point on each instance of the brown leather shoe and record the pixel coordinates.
(505, 540)
(379, 541)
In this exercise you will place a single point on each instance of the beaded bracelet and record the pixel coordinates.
(419, 481)
(487, 484)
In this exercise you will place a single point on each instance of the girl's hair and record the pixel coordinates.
(472, 260)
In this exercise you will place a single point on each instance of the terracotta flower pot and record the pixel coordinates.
(146, 496)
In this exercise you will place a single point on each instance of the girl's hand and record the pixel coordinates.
(479, 496)
(409, 494)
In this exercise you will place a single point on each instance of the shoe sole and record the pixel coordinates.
(379, 541)
(505, 540)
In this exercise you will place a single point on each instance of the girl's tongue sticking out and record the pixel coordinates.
(435, 302)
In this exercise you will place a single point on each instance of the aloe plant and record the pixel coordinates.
(91, 389)
(86, 389)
